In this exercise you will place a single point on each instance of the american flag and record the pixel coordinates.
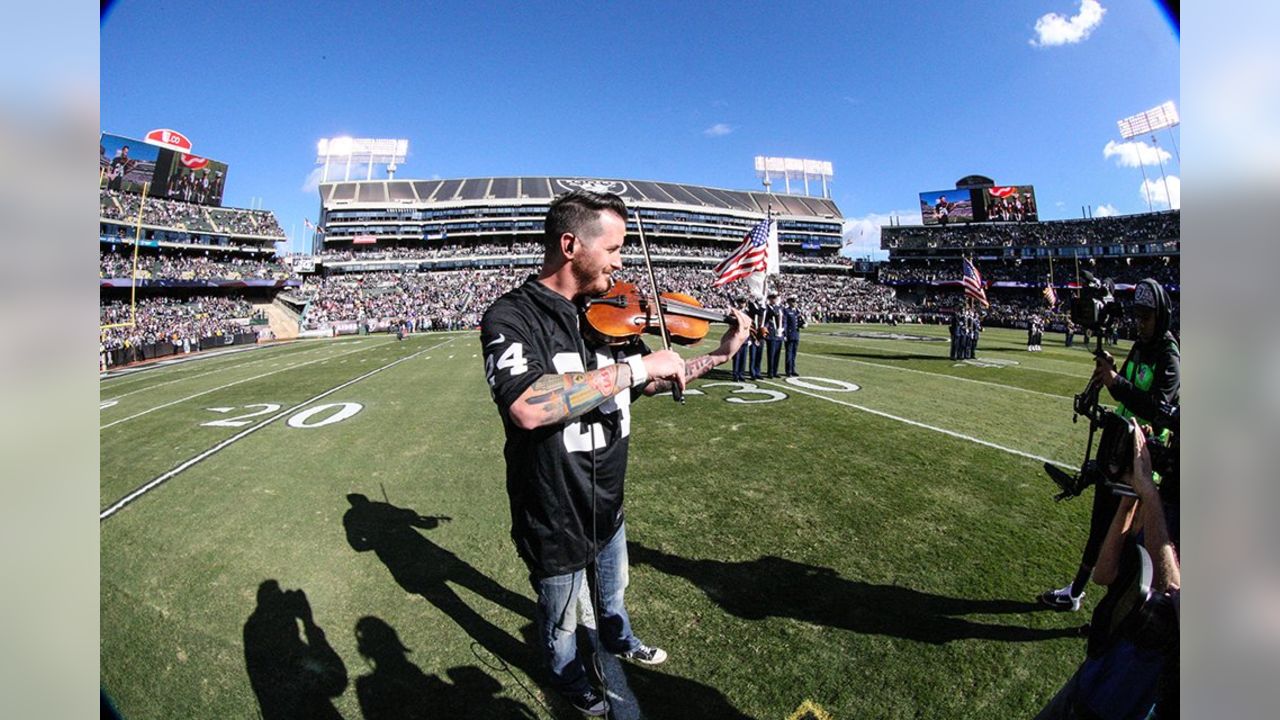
(1050, 295)
(751, 256)
(306, 222)
(972, 283)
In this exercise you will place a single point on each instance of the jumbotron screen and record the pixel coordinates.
(941, 207)
(1002, 203)
(127, 165)
(1008, 203)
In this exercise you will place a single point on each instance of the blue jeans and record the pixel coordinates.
(557, 617)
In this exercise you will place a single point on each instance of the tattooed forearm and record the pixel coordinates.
(698, 367)
(693, 369)
(556, 398)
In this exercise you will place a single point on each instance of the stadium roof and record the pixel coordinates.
(522, 190)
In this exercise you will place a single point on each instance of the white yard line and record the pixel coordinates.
(227, 385)
(944, 431)
(151, 485)
(941, 375)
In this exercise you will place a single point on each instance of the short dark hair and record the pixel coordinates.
(578, 212)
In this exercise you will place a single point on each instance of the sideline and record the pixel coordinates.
(185, 358)
(223, 368)
(156, 482)
(237, 382)
(944, 431)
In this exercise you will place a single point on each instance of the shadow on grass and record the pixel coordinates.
(662, 695)
(294, 676)
(777, 587)
(637, 691)
(424, 568)
(397, 689)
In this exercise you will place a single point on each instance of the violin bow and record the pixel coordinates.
(676, 393)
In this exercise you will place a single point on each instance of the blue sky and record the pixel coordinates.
(901, 99)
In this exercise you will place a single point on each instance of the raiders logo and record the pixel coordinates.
(1144, 377)
(1143, 296)
(617, 187)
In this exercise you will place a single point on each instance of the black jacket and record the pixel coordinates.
(529, 332)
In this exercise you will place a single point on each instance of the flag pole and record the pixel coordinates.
(764, 287)
(1055, 292)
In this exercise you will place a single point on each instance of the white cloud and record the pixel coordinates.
(1054, 29)
(718, 130)
(312, 182)
(1154, 191)
(1106, 210)
(862, 234)
(1133, 154)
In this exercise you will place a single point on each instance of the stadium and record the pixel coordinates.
(302, 506)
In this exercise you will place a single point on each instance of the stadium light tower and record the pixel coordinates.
(793, 168)
(371, 151)
(1163, 117)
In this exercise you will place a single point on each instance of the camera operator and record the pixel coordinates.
(1131, 669)
(1149, 376)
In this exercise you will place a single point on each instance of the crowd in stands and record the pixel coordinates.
(175, 320)
(160, 212)
(1126, 270)
(429, 301)
(1143, 228)
(174, 266)
(240, 222)
(458, 298)
(157, 212)
(535, 249)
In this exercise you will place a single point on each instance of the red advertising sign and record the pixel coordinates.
(194, 162)
(168, 139)
(364, 239)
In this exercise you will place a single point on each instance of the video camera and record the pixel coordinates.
(1114, 459)
(1115, 446)
(1096, 306)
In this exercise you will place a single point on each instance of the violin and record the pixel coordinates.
(624, 313)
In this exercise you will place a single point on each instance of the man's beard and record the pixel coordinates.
(590, 280)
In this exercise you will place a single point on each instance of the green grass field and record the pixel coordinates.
(873, 550)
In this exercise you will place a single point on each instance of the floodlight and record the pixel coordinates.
(1157, 118)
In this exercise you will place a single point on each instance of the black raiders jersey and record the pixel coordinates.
(527, 333)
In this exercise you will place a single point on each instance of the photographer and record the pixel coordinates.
(1149, 376)
(1131, 670)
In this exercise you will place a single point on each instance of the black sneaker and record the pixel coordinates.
(1061, 599)
(589, 703)
(646, 655)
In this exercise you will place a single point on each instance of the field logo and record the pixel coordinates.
(809, 710)
(171, 139)
(193, 162)
(617, 187)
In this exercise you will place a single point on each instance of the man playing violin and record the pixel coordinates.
(564, 398)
